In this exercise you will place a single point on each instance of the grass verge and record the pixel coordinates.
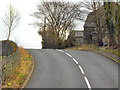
(20, 72)
(113, 51)
(96, 48)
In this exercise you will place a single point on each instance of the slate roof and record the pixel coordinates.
(90, 21)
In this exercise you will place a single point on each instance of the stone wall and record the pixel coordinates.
(0, 48)
(8, 63)
(7, 48)
(9, 58)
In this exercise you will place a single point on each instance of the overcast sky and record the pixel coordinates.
(25, 35)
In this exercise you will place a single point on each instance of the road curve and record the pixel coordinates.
(54, 69)
(62, 69)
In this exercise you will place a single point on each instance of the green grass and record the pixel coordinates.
(0, 57)
(113, 51)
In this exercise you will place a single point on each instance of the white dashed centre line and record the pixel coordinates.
(81, 69)
(75, 61)
(60, 50)
(69, 55)
(86, 80)
(88, 84)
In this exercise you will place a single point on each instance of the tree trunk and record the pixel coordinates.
(108, 43)
(8, 35)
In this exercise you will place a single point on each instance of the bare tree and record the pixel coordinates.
(92, 5)
(11, 19)
(58, 17)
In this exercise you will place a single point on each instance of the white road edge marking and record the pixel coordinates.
(81, 69)
(88, 84)
(69, 55)
(75, 61)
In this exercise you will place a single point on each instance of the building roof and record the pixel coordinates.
(100, 13)
(91, 18)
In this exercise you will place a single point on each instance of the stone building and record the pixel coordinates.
(91, 32)
(95, 29)
(79, 37)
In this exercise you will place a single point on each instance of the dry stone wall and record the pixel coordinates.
(9, 58)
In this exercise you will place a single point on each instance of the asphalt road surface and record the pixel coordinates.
(72, 69)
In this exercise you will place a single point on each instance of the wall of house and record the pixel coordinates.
(79, 38)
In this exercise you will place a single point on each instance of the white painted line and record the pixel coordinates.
(69, 55)
(81, 69)
(60, 50)
(86, 80)
(88, 84)
(75, 61)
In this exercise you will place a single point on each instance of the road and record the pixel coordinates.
(72, 69)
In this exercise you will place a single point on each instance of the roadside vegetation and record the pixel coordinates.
(113, 51)
(20, 72)
(57, 20)
(96, 48)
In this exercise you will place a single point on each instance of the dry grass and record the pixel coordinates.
(20, 72)
(113, 51)
(93, 47)
(83, 47)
